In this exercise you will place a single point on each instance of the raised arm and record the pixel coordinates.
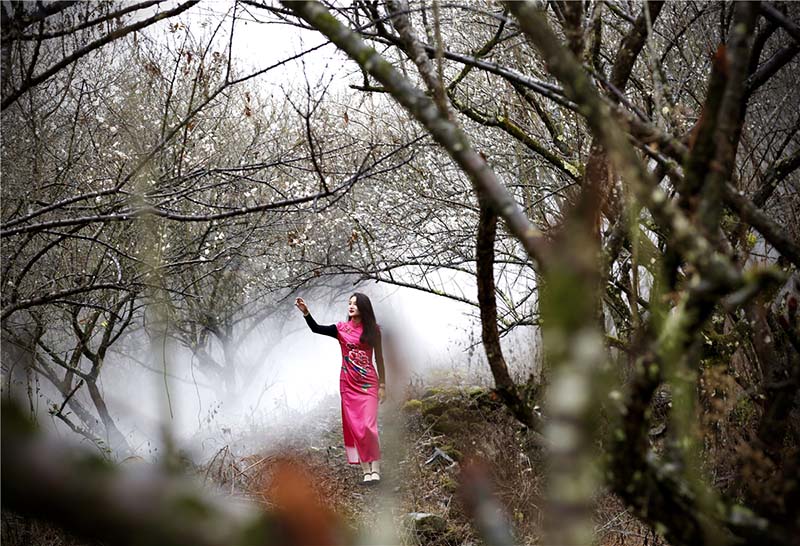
(326, 330)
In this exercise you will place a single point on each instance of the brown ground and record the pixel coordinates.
(308, 479)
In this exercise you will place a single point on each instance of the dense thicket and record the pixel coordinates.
(621, 177)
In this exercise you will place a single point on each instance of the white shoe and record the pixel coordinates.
(367, 478)
(376, 478)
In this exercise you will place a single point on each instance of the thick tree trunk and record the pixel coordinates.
(116, 439)
(484, 256)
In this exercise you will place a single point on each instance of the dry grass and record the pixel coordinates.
(23, 531)
(616, 526)
(473, 426)
(470, 425)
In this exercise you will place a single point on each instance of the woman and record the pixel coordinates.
(361, 388)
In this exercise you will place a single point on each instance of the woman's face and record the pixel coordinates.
(352, 308)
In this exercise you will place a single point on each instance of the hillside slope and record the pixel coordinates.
(439, 447)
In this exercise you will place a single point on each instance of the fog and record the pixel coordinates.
(296, 385)
(299, 374)
(296, 374)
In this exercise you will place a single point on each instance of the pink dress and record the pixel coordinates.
(358, 384)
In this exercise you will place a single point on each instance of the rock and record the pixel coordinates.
(439, 455)
(425, 523)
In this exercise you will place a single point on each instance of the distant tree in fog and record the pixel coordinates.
(136, 177)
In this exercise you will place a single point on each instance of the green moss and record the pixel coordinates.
(743, 412)
(489, 400)
(446, 425)
(433, 391)
(454, 418)
(433, 407)
(460, 413)
(449, 484)
(576, 170)
(412, 406)
(718, 348)
(452, 452)
(751, 240)
(475, 392)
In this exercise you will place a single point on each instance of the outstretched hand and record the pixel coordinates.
(300, 304)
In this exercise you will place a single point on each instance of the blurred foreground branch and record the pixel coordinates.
(44, 477)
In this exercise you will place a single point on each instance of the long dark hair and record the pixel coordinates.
(371, 333)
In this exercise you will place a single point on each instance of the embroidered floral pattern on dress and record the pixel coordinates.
(358, 358)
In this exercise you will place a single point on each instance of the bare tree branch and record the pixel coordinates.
(88, 48)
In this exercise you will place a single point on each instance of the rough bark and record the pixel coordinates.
(484, 257)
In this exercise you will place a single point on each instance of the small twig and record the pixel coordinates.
(66, 400)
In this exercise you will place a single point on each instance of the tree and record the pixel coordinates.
(136, 176)
(691, 233)
(642, 159)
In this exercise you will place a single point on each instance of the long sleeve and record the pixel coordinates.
(327, 330)
(379, 359)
